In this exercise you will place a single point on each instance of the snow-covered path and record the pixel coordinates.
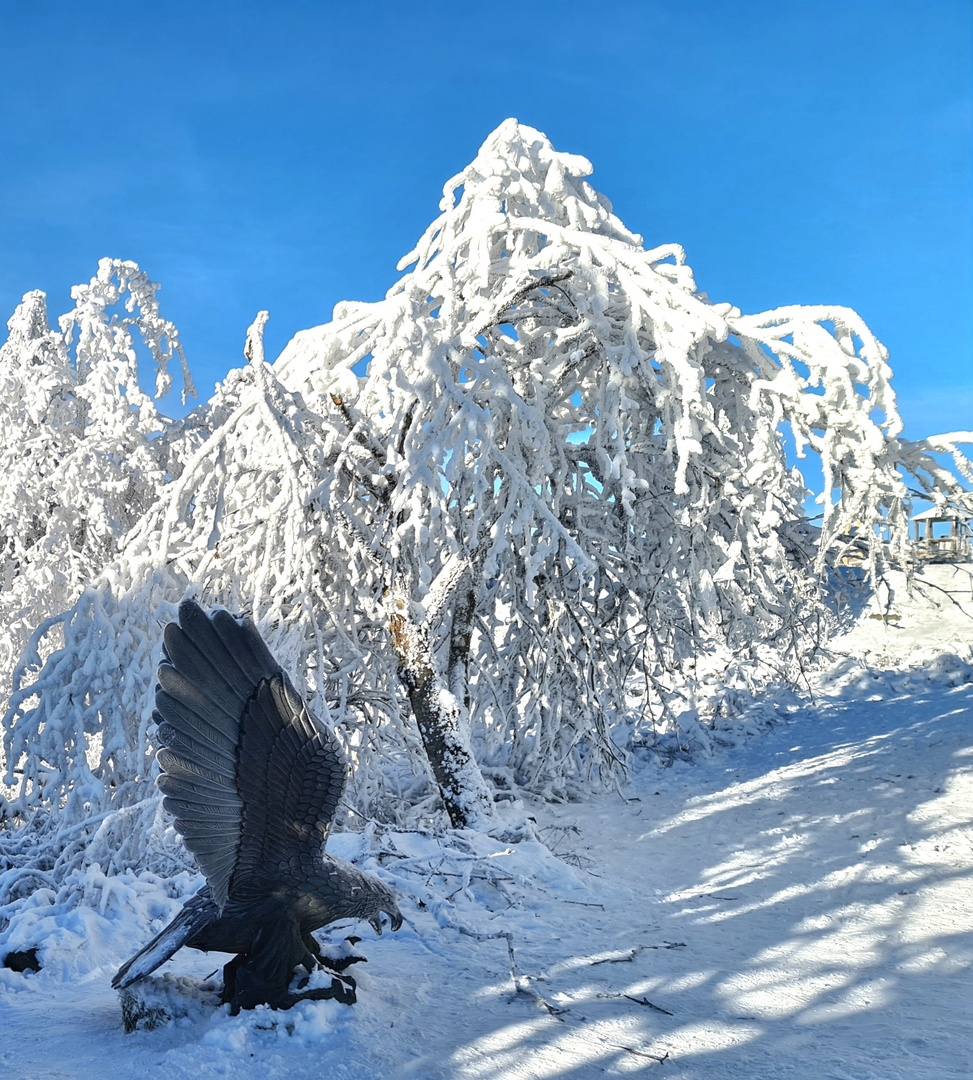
(821, 884)
(815, 890)
(799, 906)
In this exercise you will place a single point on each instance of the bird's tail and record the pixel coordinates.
(199, 911)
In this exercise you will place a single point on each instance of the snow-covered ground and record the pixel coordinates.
(795, 906)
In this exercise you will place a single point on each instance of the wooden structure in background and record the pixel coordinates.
(953, 542)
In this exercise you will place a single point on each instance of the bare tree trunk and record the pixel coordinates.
(460, 636)
(441, 712)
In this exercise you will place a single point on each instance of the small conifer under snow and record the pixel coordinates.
(529, 512)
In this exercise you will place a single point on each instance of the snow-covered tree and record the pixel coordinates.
(78, 452)
(569, 466)
(532, 508)
(238, 526)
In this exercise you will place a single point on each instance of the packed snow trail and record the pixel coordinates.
(821, 888)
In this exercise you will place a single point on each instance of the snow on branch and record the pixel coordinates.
(82, 446)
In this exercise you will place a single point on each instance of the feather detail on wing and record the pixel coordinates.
(291, 777)
(246, 770)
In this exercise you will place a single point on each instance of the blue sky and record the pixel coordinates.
(284, 156)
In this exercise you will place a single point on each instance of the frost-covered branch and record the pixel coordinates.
(82, 447)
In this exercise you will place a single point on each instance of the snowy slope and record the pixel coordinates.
(798, 907)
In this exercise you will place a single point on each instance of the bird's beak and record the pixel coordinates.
(395, 919)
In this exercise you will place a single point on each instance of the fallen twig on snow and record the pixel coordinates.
(558, 1012)
(628, 957)
(639, 1053)
(520, 986)
(638, 1001)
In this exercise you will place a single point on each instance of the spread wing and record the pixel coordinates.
(291, 777)
(251, 777)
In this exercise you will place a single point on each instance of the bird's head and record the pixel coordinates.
(349, 893)
(382, 902)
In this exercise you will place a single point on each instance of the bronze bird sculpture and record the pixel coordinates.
(253, 780)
